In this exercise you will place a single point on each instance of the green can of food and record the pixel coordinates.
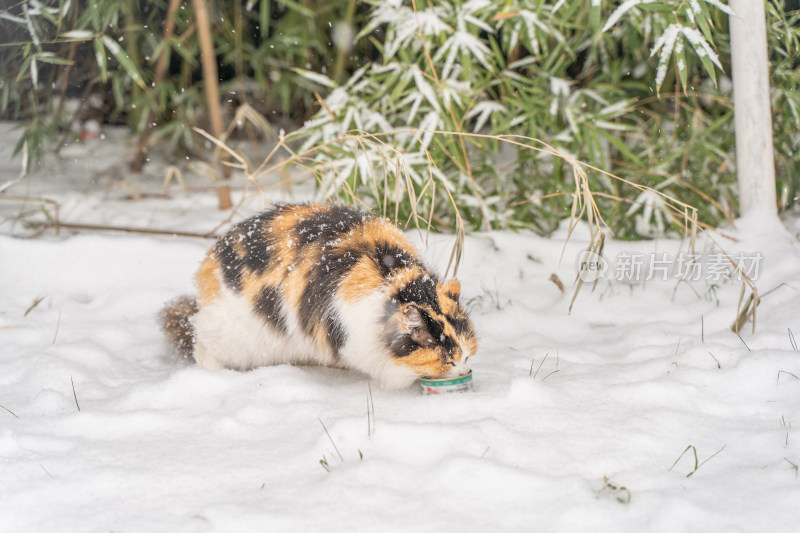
(444, 386)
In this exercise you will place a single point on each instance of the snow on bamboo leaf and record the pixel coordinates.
(716, 3)
(316, 77)
(425, 88)
(694, 9)
(483, 110)
(462, 42)
(12, 18)
(621, 10)
(77, 35)
(407, 26)
(668, 42)
(430, 122)
(34, 72)
(100, 57)
(665, 43)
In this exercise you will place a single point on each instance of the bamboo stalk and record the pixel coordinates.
(211, 80)
(755, 164)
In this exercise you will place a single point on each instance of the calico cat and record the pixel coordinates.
(327, 285)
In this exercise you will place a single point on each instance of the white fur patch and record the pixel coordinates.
(365, 348)
(229, 334)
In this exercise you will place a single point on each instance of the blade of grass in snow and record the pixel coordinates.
(702, 329)
(74, 395)
(782, 284)
(331, 439)
(783, 424)
(38, 300)
(708, 459)
(696, 464)
(372, 406)
(745, 344)
(550, 374)
(58, 325)
(9, 410)
(694, 451)
(540, 364)
(370, 415)
(794, 465)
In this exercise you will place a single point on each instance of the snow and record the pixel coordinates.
(567, 408)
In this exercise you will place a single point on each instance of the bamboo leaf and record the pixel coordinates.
(77, 35)
(100, 57)
(124, 60)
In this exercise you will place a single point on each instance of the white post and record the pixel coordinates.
(755, 162)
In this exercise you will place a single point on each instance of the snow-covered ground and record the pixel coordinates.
(578, 422)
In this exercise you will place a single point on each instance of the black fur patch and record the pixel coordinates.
(257, 241)
(229, 261)
(449, 346)
(460, 325)
(433, 326)
(269, 306)
(327, 225)
(251, 235)
(421, 291)
(323, 281)
(390, 258)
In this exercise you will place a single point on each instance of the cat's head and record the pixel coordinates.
(433, 336)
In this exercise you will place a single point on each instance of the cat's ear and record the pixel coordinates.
(414, 324)
(452, 288)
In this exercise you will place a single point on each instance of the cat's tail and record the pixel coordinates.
(174, 319)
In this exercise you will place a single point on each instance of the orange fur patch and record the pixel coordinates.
(291, 215)
(424, 362)
(207, 277)
(382, 231)
(253, 284)
(363, 279)
(406, 275)
(446, 302)
(297, 279)
(452, 286)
